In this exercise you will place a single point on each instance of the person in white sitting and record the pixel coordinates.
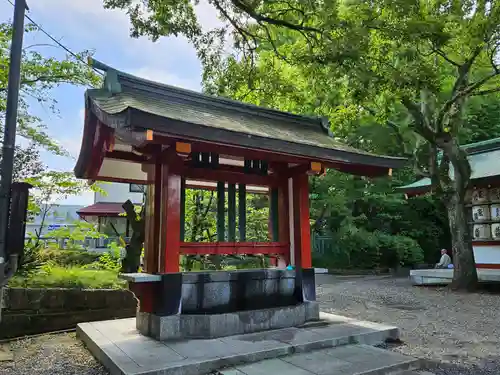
(445, 260)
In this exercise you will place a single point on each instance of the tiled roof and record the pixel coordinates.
(484, 160)
(102, 209)
(125, 98)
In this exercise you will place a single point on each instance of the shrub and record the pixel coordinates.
(362, 247)
(108, 261)
(31, 259)
(73, 277)
(358, 248)
(71, 257)
(399, 250)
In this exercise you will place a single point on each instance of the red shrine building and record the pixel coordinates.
(169, 139)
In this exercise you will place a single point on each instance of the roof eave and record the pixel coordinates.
(212, 135)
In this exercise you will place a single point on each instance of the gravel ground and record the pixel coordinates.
(60, 354)
(460, 332)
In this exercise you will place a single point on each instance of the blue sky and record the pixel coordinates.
(85, 25)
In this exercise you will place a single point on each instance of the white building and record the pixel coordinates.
(53, 217)
(107, 208)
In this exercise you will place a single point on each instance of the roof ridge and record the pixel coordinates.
(482, 146)
(221, 102)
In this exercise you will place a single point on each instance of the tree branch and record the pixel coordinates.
(277, 22)
(460, 90)
(421, 126)
(53, 79)
(486, 92)
(393, 126)
(444, 56)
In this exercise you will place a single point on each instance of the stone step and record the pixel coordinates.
(123, 351)
(343, 360)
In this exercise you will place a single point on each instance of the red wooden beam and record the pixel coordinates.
(152, 219)
(284, 215)
(170, 236)
(301, 227)
(235, 248)
(128, 156)
(248, 153)
(121, 180)
(491, 266)
(207, 174)
(103, 138)
(486, 243)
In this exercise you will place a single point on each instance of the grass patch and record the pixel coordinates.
(68, 258)
(69, 277)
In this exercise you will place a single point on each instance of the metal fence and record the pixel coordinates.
(325, 247)
(91, 244)
(322, 244)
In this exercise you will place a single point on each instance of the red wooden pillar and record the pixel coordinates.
(152, 218)
(147, 292)
(301, 226)
(283, 214)
(170, 239)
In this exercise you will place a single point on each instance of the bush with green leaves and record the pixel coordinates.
(31, 259)
(108, 261)
(357, 248)
(68, 257)
(51, 276)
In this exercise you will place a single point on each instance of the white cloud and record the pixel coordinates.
(81, 115)
(90, 12)
(159, 75)
(208, 16)
(72, 145)
(89, 20)
(85, 199)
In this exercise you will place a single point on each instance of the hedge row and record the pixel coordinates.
(361, 249)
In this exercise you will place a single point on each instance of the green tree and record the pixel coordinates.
(49, 188)
(39, 76)
(412, 65)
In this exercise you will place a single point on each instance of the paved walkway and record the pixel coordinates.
(345, 360)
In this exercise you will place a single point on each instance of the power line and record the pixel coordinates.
(78, 58)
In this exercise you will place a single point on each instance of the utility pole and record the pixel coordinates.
(8, 264)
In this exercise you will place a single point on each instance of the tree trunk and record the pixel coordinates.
(132, 260)
(465, 274)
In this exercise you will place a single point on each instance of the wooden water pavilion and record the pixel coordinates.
(170, 139)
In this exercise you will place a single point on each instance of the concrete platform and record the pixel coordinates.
(123, 351)
(444, 277)
(345, 360)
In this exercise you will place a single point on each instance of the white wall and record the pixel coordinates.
(117, 193)
(487, 254)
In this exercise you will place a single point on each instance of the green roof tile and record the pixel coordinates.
(123, 95)
(484, 159)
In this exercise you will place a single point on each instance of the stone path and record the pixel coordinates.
(345, 360)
